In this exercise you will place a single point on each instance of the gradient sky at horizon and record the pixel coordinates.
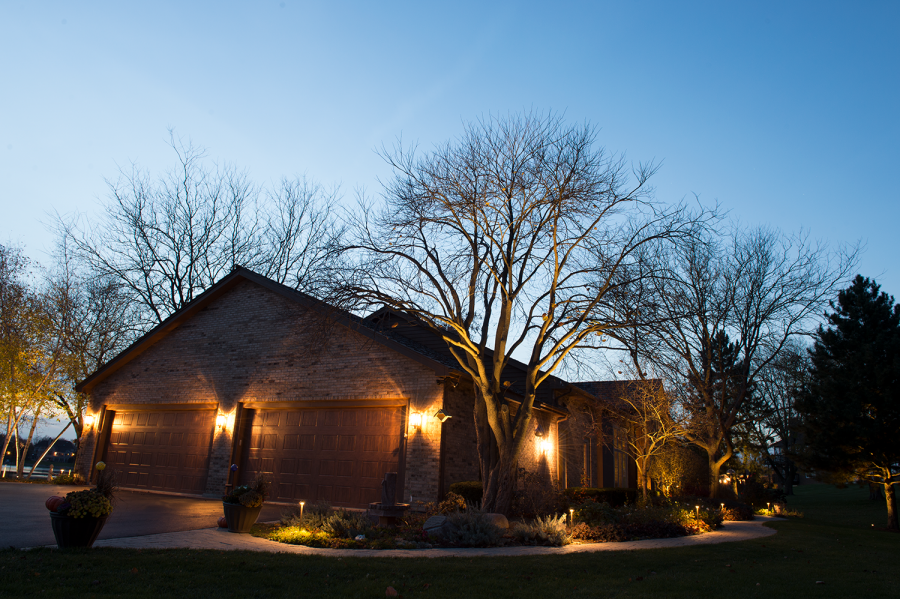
(786, 113)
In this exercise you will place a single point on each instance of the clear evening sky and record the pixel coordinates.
(784, 112)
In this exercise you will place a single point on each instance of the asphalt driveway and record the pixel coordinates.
(27, 522)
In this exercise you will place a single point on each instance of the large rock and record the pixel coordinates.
(499, 520)
(435, 526)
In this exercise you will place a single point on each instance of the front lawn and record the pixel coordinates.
(834, 543)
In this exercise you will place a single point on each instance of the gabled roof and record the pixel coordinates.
(610, 393)
(239, 274)
(407, 329)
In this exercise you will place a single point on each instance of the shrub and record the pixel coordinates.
(537, 495)
(733, 510)
(470, 490)
(451, 503)
(471, 529)
(604, 533)
(314, 516)
(594, 514)
(549, 530)
(613, 496)
(68, 479)
(758, 494)
(345, 524)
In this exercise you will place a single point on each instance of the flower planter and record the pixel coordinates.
(75, 532)
(240, 518)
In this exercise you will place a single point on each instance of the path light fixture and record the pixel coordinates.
(302, 503)
(697, 507)
(571, 516)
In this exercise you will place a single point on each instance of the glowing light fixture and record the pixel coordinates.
(415, 420)
(697, 507)
(571, 516)
(220, 420)
(89, 421)
(302, 503)
(544, 446)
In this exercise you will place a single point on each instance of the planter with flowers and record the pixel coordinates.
(78, 518)
(243, 504)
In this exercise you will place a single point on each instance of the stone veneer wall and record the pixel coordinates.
(252, 344)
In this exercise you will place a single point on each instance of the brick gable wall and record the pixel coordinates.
(252, 344)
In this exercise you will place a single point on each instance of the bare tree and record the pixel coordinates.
(167, 240)
(506, 240)
(773, 432)
(94, 318)
(722, 310)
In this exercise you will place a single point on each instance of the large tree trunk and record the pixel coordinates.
(498, 464)
(890, 498)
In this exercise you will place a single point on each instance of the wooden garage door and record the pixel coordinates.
(161, 450)
(338, 455)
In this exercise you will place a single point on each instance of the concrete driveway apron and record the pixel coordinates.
(135, 514)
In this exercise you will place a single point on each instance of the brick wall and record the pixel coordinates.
(252, 344)
(460, 442)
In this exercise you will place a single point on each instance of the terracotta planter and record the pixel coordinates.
(240, 518)
(75, 532)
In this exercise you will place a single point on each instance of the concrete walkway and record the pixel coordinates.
(221, 539)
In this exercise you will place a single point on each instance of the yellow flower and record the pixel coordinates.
(101, 465)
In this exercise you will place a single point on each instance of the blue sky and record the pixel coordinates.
(784, 112)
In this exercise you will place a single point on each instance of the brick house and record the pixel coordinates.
(257, 374)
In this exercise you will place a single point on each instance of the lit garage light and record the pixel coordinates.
(220, 420)
(89, 421)
(415, 420)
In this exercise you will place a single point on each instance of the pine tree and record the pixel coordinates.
(851, 408)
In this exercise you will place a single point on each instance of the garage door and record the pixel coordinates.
(161, 450)
(337, 455)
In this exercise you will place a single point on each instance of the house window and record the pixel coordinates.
(620, 457)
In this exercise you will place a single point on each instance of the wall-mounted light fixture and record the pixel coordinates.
(441, 415)
(221, 420)
(415, 420)
(89, 421)
(544, 446)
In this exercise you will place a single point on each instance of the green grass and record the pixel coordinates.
(834, 542)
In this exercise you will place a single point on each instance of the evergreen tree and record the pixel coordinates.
(851, 407)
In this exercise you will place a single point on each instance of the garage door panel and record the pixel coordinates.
(162, 450)
(337, 455)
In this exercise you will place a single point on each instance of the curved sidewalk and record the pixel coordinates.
(221, 539)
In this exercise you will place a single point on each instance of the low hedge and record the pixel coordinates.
(615, 497)
(470, 490)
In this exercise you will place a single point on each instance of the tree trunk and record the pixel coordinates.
(890, 498)
(46, 451)
(714, 467)
(9, 427)
(788, 479)
(499, 488)
(20, 466)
